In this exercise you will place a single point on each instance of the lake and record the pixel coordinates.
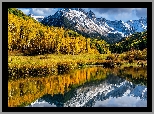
(93, 86)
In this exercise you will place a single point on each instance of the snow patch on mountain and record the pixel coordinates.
(106, 91)
(87, 23)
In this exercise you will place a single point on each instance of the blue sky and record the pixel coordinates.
(112, 14)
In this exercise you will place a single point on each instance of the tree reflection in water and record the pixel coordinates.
(83, 87)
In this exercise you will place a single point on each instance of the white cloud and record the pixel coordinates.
(37, 11)
(24, 10)
(141, 12)
(41, 104)
(43, 11)
(103, 15)
(125, 101)
(113, 10)
(125, 16)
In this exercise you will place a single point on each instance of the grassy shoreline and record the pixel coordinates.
(42, 65)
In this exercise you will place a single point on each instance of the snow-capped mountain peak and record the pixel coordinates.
(91, 15)
(87, 23)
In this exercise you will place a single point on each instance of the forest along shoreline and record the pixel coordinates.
(35, 49)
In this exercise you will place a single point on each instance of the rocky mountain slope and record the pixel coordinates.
(88, 25)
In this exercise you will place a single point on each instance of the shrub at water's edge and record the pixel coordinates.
(24, 66)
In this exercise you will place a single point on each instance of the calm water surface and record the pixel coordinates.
(89, 87)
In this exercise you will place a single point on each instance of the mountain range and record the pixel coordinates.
(88, 25)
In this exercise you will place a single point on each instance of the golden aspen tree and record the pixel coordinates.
(88, 45)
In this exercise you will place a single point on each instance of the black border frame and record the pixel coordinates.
(6, 5)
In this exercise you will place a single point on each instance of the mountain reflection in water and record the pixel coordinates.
(111, 92)
(89, 87)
